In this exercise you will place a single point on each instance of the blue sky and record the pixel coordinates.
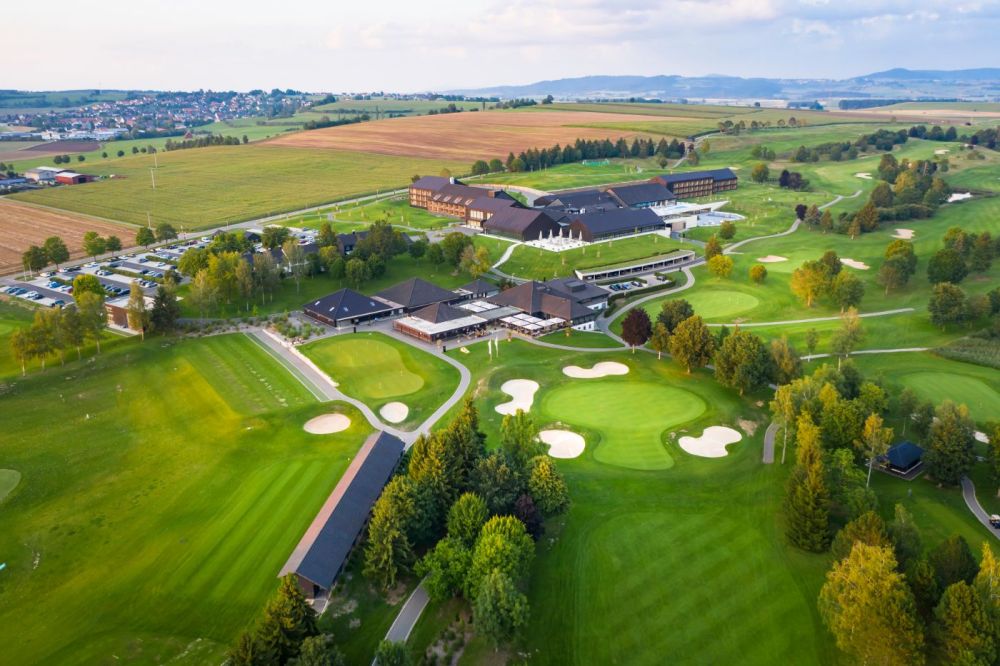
(332, 45)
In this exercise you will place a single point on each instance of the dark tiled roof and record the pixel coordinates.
(459, 194)
(516, 220)
(642, 193)
(416, 293)
(715, 174)
(620, 220)
(430, 182)
(577, 289)
(440, 312)
(323, 549)
(578, 199)
(904, 455)
(479, 286)
(536, 298)
(347, 303)
(492, 204)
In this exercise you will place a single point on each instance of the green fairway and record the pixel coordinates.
(378, 369)
(205, 187)
(630, 416)
(9, 478)
(167, 486)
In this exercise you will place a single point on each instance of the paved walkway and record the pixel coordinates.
(971, 501)
(769, 434)
(789, 322)
(408, 615)
(902, 350)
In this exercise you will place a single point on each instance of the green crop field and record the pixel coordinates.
(205, 187)
(155, 510)
(378, 369)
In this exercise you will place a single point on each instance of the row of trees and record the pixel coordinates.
(826, 277)
(161, 233)
(535, 159)
(962, 253)
(475, 515)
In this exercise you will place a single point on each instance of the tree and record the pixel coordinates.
(849, 335)
(144, 237)
(881, 196)
(444, 568)
(71, 329)
(987, 585)
(504, 545)
(325, 238)
(812, 339)
(452, 246)
(55, 250)
(742, 362)
(319, 650)
(826, 222)
(905, 537)
(946, 265)
(466, 518)
(870, 610)
(500, 610)
(727, 230)
(165, 311)
(93, 319)
(875, 441)
(138, 317)
(519, 438)
(85, 282)
(868, 528)
(692, 344)
(953, 562)
(435, 254)
(673, 312)
(659, 341)
(390, 653)
(847, 290)
(712, 247)
(294, 259)
(388, 549)
(34, 258)
(636, 328)
(760, 173)
(962, 632)
(947, 305)
(20, 347)
(93, 244)
(203, 294)
(547, 487)
(475, 260)
(807, 499)
(809, 281)
(758, 273)
(893, 273)
(785, 362)
(720, 266)
(288, 620)
(498, 481)
(980, 258)
(950, 443)
(356, 272)
(165, 232)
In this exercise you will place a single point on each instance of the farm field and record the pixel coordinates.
(378, 369)
(206, 187)
(149, 525)
(461, 136)
(23, 225)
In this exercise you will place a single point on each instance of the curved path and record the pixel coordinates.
(769, 434)
(788, 322)
(971, 501)
(901, 350)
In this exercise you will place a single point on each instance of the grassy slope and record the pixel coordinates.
(154, 513)
(204, 187)
(536, 264)
(378, 369)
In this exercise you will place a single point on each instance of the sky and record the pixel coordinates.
(416, 46)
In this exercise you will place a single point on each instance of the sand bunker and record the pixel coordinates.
(860, 265)
(712, 443)
(9, 479)
(863, 174)
(327, 424)
(394, 412)
(959, 196)
(562, 443)
(941, 151)
(979, 435)
(602, 369)
(522, 393)
(905, 234)
(771, 259)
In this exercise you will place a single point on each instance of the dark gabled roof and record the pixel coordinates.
(459, 194)
(619, 220)
(577, 289)
(538, 298)
(715, 174)
(641, 193)
(478, 286)
(440, 312)
(493, 204)
(516, 220)
(323, 549)
(430, 182)
(578, 199)
(416, 293)
(347, 303)
(904, 455)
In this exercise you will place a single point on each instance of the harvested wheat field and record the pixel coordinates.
(22, 226)
(466, 136)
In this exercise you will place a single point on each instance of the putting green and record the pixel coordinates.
(9, 478)
(367, 367)
(629, 416)
(718, 304)
(982, 399)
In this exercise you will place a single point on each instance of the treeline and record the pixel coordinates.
(204, 142)
(515, 103)
(736, 128)
(451, 108)
(847, 104)
(888, 598)
(474, 514)
(325, 121)
(535, 159)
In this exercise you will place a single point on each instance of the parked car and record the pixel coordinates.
(58, 303)
(143, 260)
(995, 521)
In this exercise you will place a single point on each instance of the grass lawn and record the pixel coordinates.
(9, 479)
(205, 187)
(537, 264)
(583, 339)
(396, 211)
(154, 513)
(378, 369)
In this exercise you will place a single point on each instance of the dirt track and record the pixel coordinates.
(468, 135)
(22, 225)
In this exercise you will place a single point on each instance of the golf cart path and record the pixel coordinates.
(769, 434)
(901, 350)
(408, 615)
(788, 322)
(971, 501)
(506, 254)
